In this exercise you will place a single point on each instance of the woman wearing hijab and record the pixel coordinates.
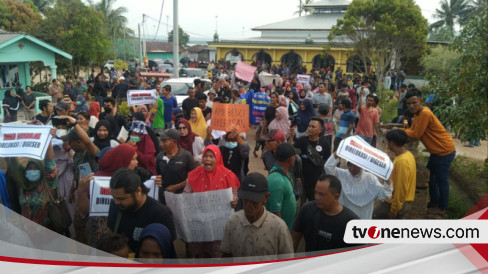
(94, 109)
(198, 123)
(190, 141)
(143, 110)
(11, 103)
(281, 122)
(138, 116)
(305, 112)
(156, 244)
(30, 186)
(103, 136)
(80, 104)
(146, 153)
(211, 175)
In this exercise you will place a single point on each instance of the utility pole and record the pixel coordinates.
(167, 25)
(176, 61)
(144, 52)
(139, 48)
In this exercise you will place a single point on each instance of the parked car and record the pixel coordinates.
(158, 65)
(109, 65)
(170, 62)
(180, 86)
(190, 72)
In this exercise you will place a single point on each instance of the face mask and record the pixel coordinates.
(231, 145)
(33, 175)
(107, 109)
(136, 139)
(78, 103)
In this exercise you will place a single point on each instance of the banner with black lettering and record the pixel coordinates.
(141, 97)
(100, 195)
(19, 140)
(356, 150)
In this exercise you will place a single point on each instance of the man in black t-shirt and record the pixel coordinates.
(202, 104)
(323, 222)
(189, 103)
(312, 167)
(172, 165)
(131, 209)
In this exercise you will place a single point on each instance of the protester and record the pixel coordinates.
(146, 153)
(29, 103)
(143, 109)
(114, 244)
(103, 135)
(189, 103)
(322, 97)
(119, 91)
(323, 222)
(404, 177)
(55, 91)
(138, 116)
(235, 153)
(156, 244)
(270, 112)
(346, 123)
(254, 231)
(190, 141)
(94, 109)
(427, 127)
(172, 165)
(197, 122)
(211, 175)
(281, 122)
(359, 187)
(131, 210)
(80, 104)
(11, 103)
(368, 119)
(111, 110)
(305, 113)
(202, 104)
(44, 118)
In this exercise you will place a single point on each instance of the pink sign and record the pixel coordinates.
(245, 71)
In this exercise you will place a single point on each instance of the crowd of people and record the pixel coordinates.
(308, 192)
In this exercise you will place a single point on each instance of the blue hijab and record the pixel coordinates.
(304, 116)
(162, 235)
(83, 106)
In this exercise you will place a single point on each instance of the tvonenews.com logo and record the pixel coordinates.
(417, 231)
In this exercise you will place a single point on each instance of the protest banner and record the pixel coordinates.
(19, 140)
(303, 78)
(360, 153)
(100, 195)
(200, 217)
(141, 97)
(267, 79)
(245, 71)
(227, 116)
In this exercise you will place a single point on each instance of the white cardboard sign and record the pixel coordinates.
(20, 140)
(141, 97)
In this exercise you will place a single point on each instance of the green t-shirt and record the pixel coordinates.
(159, 118)
(282, 197)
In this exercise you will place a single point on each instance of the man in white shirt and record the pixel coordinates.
(322, 97)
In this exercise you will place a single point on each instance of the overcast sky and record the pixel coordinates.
(235, 19)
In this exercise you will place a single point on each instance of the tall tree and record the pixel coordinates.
(383, 32)
(116, 21)
(43, 5)
(452, 12)
(183, 37)
(19, 16)
(77, 29)
(302, 9)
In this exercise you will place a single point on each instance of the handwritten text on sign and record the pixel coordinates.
(100, 194)
(141, 97)
(20, 140)
(360, 153)
(200, 217)
(227, 116)
(303, 78)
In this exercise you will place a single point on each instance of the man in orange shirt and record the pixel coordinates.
(438, 141)
(368, 118)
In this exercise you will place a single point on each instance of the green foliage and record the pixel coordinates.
(77, 29)
(123, 109)
(302, 8)
(115, 21)
(120, 64)
(452, 12)
(19, 16)
(441, 34)
(183, 38)
(383, 31)
(439, 61)
(466, 83)
(388, 105)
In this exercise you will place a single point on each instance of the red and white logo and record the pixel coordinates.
(373, 232)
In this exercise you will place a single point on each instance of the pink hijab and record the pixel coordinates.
(283, 123)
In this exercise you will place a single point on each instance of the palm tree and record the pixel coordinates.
(301, 7)
(452, 12)
(116, 21)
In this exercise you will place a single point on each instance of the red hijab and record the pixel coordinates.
(116, 158)
(186, 142)
(94, 109)
(220, 177)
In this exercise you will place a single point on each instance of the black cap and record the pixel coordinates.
(254, 187)
(61, 105)
(71, 136)
(170, 133)
(284, 151)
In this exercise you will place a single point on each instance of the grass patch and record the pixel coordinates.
(459, 203)
(470, 176)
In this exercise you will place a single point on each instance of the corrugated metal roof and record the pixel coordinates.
(5, 36)
(154, 46)
(289, 41)
(197, 48)
(319, 21)
(329, 3)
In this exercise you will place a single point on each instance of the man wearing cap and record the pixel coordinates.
(280, 183)
(211, 96)
(120, 91)
(172, 164)
(254, 231)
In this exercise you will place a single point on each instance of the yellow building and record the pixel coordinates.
(298, 41)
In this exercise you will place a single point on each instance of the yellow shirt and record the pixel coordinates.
(404, 177)
(431, 132)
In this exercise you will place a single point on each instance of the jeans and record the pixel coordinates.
(337, 141)
(439, 179)
(367, 139)
(473, 143)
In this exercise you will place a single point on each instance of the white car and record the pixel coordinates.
(180, 86)
(109, 65)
